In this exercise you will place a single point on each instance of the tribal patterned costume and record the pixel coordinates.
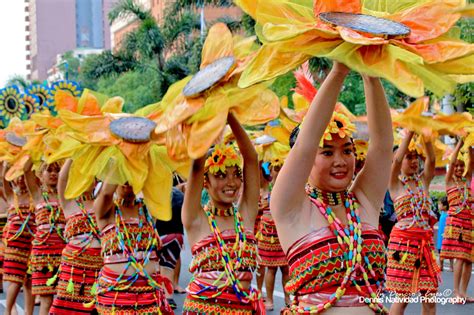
(269, 248)
(3, 223)
(220, 262)
(458, 238)
(48, 245)
(336, 265)
(412, 264)
(80, 265)
(19, 234)
(132, 242)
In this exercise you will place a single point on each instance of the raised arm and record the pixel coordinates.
(430, 162)
(103, 204)
(454, 157)
(7, 190)
(372, 181)
(31, 181)
(398, 159)
(251, 189)
(288, 193)
(62, 182)
(192, 198)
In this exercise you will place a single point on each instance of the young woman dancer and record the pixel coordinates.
(412, 266)
(18, 237)
(223, 261)
(457, 240)
(49, 240)
(81, 259)
(327, 223)
(129, 282)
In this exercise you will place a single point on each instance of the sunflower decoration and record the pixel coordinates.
(119, 148)
(12, 142)
(71, 87)
(408, 43)
(42, 92)
(221, 157)
(32, 104)
(418, 119)
(195, 109)
(361, 148)
(11, 104)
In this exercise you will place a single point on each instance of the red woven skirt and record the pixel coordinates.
(3, 222)
(139, 298)
(77, 275)
(18, 245)
(411, 266)
(457, 238)
(269, 248)
(45, 261)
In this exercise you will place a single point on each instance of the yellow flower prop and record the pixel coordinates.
(417, 119)
(429, 57)
(339, 125)
(193, 124)
(222, 156)
(14, 155)
(100, 154)
(361, 148)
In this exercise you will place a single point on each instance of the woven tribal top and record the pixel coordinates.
(206, 256)
(24, 211)
(457, 199)
(316, 263)
(49, 219)
(78, 224)
(408, 216)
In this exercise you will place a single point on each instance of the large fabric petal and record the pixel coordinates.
(218, 44)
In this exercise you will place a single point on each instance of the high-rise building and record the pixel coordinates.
(56, 26)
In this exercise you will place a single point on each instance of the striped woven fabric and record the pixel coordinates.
(457, 239)
(3, 222)
(269, 248)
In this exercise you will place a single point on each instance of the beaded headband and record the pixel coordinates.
(222, 156)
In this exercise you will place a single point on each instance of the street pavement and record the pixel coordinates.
(415, 308)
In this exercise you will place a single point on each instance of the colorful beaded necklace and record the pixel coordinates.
(220, 212)
(54, 214)
(463, 191)
(125, 243)
(328, 198)
(350, 239)
(94, 229)
(230, 265)
(24, 221)
(418, 201)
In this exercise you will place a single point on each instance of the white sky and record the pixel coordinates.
(12, 39)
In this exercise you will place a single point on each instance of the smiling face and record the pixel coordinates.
(458, 168)
(410, 163)
(19, 184)
(224, 188)
(333, 167)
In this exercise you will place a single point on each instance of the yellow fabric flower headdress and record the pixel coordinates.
(339, 125)
(222, 156)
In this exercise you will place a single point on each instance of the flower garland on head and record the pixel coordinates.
(340, 125)
(222, 156)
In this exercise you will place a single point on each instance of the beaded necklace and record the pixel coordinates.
(230, 265)
(418, 200)
(94, 229)
(463, 191)
(221, 212)
(328, 198)
(24, 221)
(124, 281)
(54, 215)
(350, 239)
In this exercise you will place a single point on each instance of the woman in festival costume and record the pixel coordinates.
(457, 240)
(335, 252)
(412, 266)
(49, 240)
(19, 234)
(81, 259)
(270, 252)
(223, 260)
(129, 282)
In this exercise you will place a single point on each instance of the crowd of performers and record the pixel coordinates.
(94, 225)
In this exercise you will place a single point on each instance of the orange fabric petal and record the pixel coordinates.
(64, 100)
(350, 6)
(204, 133)
(439, 51)
(90, 105)
(357, 38)
(218, 44)
(429, 20)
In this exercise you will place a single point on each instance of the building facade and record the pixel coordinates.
(56, 26)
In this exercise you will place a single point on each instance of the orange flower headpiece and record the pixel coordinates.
(222, 156)
(340, 125)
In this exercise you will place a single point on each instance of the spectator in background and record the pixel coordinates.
(172, 235)
(443, 210)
